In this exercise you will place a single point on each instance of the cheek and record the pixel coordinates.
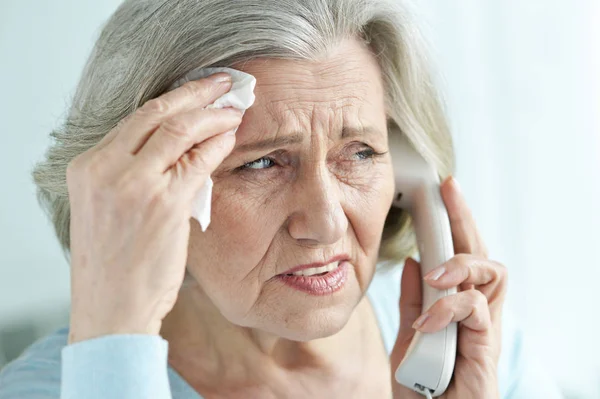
(227, 260)
(367, 206)
(243, 225)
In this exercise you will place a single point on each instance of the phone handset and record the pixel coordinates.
(428, 364)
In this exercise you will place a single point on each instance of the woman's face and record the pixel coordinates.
(309, 181)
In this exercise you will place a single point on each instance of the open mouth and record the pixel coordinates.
(319, 281)
(316, 271)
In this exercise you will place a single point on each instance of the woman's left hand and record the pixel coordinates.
(477, 307)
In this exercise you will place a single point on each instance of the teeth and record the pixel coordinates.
(317, 270)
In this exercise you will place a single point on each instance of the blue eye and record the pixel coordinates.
(366, 154)
(261, 163)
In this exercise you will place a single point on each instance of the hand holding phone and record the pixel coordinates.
(451, 303)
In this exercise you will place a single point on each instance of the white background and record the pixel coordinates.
(522, 84)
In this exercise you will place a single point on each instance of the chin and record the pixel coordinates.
(308, 318)
(313, 323)
(312, 334)
(296, 316)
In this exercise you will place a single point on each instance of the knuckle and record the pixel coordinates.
(477, 317)
(222, 146)
(494, 272)
(460, 265)
(456, 262)
(477, 268)
(447, 303)
(198, 88)
(201, 160)
(178, 129)
(501, 270)
(461, 259)
(479, 298)
(124, 121)
(481, 312)
(155, 106)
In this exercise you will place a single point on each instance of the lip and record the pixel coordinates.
(341, 257)
(319, 285)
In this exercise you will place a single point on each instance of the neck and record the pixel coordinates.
(210, 352)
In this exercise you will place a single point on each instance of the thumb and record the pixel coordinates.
(411, 302)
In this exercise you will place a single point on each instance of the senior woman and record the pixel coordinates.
(161, 309)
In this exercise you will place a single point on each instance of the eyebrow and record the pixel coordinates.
(297, 137)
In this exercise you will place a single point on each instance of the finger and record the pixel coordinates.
(465, 235)
(196, 165)
(411, 298)
(470, 308)
(145, 120)
(411, 306)
(466, 269)
(177, 135)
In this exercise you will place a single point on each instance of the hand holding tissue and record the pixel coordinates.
(240, 96)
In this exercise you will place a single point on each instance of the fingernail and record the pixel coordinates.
(220, 77)
(420, 321)
(435, 274)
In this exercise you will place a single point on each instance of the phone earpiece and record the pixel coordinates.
(428, 364)
(411, 171)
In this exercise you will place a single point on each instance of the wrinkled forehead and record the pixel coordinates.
(344, 84)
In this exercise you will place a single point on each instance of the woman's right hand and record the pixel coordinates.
(131, 200)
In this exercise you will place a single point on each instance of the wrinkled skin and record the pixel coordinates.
(319, 187)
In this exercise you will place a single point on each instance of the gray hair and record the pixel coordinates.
(147, 45)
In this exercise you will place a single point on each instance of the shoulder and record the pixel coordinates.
(36, 373)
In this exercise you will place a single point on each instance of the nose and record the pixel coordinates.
(317, 217)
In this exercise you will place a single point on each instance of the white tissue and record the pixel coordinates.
(240, 96)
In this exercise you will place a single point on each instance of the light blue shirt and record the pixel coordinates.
(135, 366)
